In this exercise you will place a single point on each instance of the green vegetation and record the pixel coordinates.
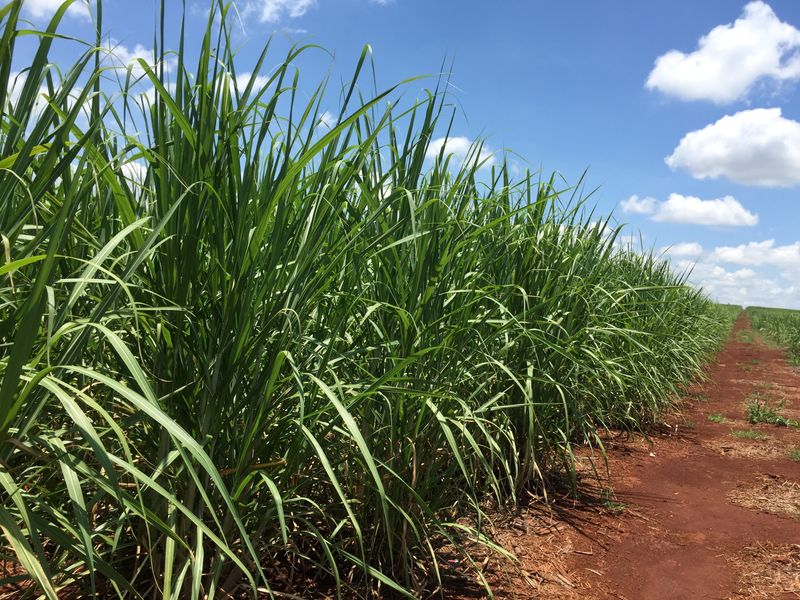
(794, 454)
(236, 345)
(761, 410)
(745, 336)
(780, 325)
(717, 418)
(727, 315)
(615, 506)
(729, 312)
(748, 434)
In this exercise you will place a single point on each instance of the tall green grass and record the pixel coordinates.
(780, 325)
(273, 355)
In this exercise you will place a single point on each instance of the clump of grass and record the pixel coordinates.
(749, 434)
(237, 344)
(610, 502)
(717, 418)
(761, 410)
(794, 454)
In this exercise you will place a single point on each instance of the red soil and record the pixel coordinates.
(697, 512)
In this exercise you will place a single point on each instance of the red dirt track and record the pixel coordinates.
(697, 512)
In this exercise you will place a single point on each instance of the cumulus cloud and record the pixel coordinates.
(327, 120)
(274, 11)
(149, 95)
(41, 9)
(639, 206)
(277, 12)
(243, 80)
(743, 286)
(731, 59)
(632, 242)
(721, 212)
(461, 148)
(15, 91)
(17, 83)
(119, 55)
(135, 171)
(756, 273)
(761, 253)
(43, 97)
(756, 147)
(683, 250)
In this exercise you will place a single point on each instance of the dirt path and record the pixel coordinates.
(708, 508)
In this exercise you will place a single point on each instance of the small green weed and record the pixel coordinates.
(759, 410)
(610, 502)
(745, 336)
(717, 418)
(795, 454)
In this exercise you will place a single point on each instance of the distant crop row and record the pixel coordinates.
(780, 325)
(243, 351)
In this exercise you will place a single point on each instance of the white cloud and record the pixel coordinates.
(752, 147)
(243, 80)
(273, 11)
(123, 57)
(42, 98)
(327, 120)
(683, 250)
(40, 9)
(135, 171)
(721, 212)
(731, 59)
(632, 242)
(639, 206)
(742, 286)
(277, 11)
(763, 273)
(461, 148)
(17, 83)
(149, 95)
(760, 254)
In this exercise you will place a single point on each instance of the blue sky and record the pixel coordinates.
(685, 113)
